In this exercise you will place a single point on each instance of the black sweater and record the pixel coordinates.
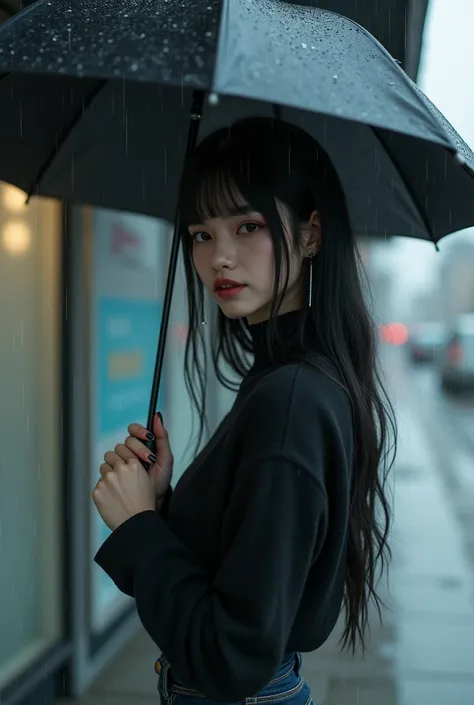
(248, 562)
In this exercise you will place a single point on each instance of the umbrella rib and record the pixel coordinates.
(414, 199)
(46, 165)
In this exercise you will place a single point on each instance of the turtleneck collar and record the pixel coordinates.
(290, 343)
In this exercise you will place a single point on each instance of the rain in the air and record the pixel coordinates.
(237, 352)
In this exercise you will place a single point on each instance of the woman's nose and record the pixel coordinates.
(223, 256)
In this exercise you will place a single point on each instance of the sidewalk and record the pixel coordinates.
(423, 653)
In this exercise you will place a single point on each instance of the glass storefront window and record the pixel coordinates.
(128, 266)
(31, 600)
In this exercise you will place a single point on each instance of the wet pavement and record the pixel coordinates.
(423, 653)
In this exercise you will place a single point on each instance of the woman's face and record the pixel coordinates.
(233, 256)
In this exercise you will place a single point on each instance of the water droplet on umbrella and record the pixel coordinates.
(391, 83)
(303, 45)
(334, 78)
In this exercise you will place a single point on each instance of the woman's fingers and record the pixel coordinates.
(140, 432)
(139, 436)
(132, 449)
(139, 449)
(105, 468)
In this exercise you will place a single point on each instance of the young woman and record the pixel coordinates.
(281, 519)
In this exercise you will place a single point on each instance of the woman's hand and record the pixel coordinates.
(123, 492)
(134, 448)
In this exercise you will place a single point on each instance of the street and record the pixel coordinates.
(423, 652)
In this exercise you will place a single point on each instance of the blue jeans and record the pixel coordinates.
(287, 687)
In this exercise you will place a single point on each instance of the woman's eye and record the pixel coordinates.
(249, 228)
(200, 236)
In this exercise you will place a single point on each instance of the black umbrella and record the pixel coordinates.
(397, 24)
(96, 101)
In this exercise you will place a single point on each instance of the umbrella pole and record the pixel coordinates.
(195, 116)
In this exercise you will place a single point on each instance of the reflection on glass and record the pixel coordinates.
(16, 237)
(30, 543)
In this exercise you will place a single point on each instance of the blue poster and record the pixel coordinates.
(126, 336)
(125, 339)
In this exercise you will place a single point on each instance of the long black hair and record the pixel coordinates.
(259, 162)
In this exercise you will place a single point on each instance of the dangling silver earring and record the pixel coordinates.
(310, 287)
(203, 310)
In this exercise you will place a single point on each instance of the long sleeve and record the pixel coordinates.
(226, 634)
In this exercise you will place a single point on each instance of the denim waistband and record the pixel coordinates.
(292, 661)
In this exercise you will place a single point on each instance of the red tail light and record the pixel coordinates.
(456, 354)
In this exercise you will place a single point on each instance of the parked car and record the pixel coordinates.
(456, 360)
(425, 341)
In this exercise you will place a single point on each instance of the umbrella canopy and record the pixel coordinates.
(96, 99)
(397, 24)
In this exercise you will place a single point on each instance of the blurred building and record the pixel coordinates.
(456, 280)
(427, 306)
(375, 255)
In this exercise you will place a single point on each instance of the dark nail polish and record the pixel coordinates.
(150, 437)
(161, 416)
(152, 458)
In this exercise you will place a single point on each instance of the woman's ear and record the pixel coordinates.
(313, 234)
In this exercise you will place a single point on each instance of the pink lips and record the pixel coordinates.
(227, 288)
(229, 293)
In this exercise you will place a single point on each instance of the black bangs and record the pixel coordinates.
(211, 193)
(225, 177)
(249, 165)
